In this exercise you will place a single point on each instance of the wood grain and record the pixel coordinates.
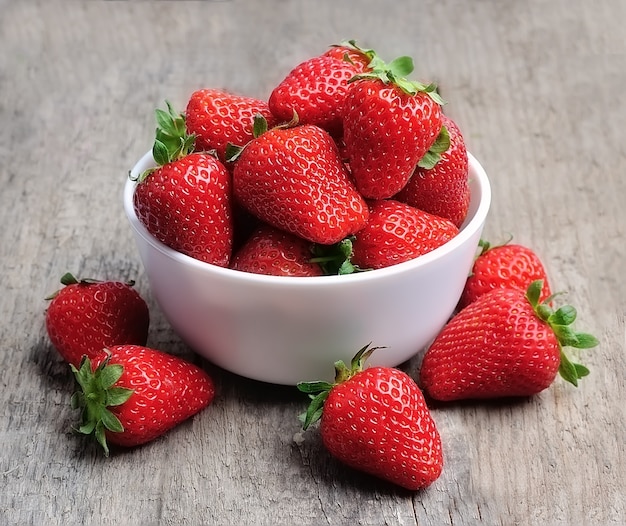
(538, 89)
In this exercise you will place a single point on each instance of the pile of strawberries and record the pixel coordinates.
(348, 167)
(345, 152)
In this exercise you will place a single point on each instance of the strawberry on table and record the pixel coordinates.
(390, 124)
(376, 420)
(504, 344)
(294, 179)
(87, 315)
(186, 201)
(130, 395)
(510, 266)
(396, 232)
(275, 252)
(444, 189)
(217, 117)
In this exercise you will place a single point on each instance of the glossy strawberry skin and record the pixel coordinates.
(85, 317)
(167, 391)
(378, 422)
(186, 204)
(218, 117)
(496, 347)
(294, 180)
(277, 253)
(386, 132)
(444, 189)
(316, 90)
(396, 232)
(507, 266)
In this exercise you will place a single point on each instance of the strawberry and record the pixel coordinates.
(277, 253)
(316, 89)
(186, 202)
(504, 344)
(350, 52)
(130, 395)
(508, 266)
(376, 420)
(389, 124)
(396, 232)
(218, 117)
(294, 179)
(442, 190)
(87, 315)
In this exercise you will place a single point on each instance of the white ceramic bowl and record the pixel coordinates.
(288, 329)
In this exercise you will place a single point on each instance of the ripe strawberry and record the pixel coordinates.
(186, 202)
(505, 266)
(316, 89)
(131, 394)
(504, 344)
(87, 315)
(218, 117)
(376, 420)
(444, 189)
(277, 253)
(294, 179)
(389, 125)
(396, 232)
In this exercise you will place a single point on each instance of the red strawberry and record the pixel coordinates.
(218, 117)
(277, 253)
(87, 315)
(396, 232)
(186, 202)
(130, 394)
(505, 266)
(444, 189)
(376, 420)
(315, 90)
(389, 125)
(294, 179)
(504, 344)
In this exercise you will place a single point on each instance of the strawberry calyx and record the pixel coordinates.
(172, 142)
(335, 260)
(395, 72)
(97, 393)
(560, 321)
(318, 391)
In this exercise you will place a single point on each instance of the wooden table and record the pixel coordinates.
(537, 87)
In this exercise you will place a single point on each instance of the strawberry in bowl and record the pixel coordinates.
(301, 192)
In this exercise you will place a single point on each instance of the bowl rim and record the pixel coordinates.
(467, 230)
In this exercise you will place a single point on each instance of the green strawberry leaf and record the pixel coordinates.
(568, 371)
(586, 341)
(233, 152)
(401, 67)
(109, 375)
(160, 153)
(117, 396)
(110, 421)
(433, 155)
(565, 315)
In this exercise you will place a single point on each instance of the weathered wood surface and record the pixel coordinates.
(537, 87)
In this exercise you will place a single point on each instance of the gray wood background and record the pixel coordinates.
(538, 89)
